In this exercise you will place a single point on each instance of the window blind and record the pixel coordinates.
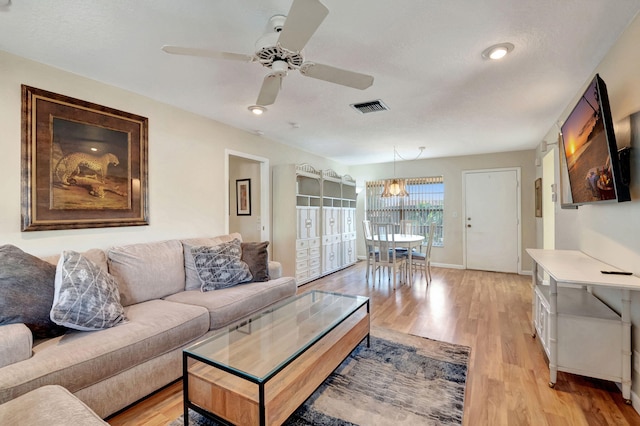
(424, 205)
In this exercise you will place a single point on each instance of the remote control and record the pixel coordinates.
(617, 272)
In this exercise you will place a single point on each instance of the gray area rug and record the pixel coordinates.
(400, 380)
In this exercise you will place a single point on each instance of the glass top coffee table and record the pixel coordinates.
(261, 370)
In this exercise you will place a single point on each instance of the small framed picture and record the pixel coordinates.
(243, 197)
(538, 197)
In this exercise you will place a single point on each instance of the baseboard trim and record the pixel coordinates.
(635, 399)
(447, 265)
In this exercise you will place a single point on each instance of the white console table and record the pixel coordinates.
(585, 322)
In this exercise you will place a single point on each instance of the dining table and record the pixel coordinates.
(408, 241)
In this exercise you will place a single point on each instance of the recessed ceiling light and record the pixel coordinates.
(257, 109)
(497, 51)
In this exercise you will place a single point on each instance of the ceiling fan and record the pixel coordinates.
(280, 49)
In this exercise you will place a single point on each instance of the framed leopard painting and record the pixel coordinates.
(84, 165)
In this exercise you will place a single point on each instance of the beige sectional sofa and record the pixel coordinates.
(112, 368)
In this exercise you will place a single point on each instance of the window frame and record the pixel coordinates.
(395, 209)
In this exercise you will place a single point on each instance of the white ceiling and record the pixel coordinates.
(425, 57)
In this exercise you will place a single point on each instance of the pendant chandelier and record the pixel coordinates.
(394, 187)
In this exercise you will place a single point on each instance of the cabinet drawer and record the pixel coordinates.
(348, 236)
(302, 265)
(314, 242)
(314, 272)
(302, 276)
(302, 254)
(314, 252)
(314, 262)
(302, 244)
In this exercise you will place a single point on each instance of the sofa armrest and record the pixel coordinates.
(16, 342)
(275, 270)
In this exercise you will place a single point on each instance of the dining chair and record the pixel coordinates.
(406, 227)
(423, 260)
(372, 251)
(387, 257)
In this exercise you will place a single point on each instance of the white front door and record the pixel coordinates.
(492, 216)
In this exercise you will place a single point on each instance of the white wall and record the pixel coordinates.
(186, 163)
(610, 232)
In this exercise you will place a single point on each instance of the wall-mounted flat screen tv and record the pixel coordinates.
(590, 162)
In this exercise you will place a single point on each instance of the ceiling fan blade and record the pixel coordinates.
(269, 91)
(336, 75)
(304, 18)
(191, 51)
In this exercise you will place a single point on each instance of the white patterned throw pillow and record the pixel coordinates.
(86, 297)
(220, 266)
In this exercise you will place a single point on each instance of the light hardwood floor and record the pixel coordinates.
(507, 382)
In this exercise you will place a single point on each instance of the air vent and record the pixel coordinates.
(371, 106)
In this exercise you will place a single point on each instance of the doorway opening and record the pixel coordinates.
(250, 174)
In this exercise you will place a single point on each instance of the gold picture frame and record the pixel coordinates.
(84, 165)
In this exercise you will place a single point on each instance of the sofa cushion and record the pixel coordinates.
(255, 255)
(26, 291)
(16, 341)
(228, 305)
(192, 281)
(80, 359)
(220, 266)
(147, 271)
(49, 405)
(275, 270)
(86, 297)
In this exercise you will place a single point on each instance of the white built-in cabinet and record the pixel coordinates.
(314, 230)
(348, 218)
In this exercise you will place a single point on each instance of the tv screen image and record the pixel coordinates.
(590, 150)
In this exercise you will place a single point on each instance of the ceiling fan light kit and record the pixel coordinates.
(497, 51)
(257, 109)
(281, 50)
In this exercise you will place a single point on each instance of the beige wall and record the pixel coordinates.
(186, 155)
(451, 169)
(186, 161)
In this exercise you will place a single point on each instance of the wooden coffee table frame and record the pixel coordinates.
(226, 395)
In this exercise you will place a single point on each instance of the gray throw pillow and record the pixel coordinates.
(256, 256)
(86, 297)
(220, 266)
(26, 291)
